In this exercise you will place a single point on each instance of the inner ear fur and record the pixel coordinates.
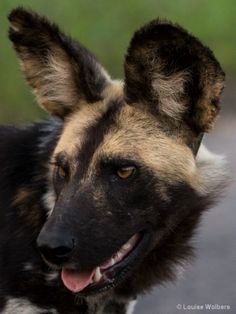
(174, 74)
(61, 71)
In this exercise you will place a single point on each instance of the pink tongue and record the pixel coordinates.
(76, 281)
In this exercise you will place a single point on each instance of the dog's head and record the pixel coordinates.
(123, 172)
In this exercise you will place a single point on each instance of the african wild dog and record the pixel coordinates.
(99, 203)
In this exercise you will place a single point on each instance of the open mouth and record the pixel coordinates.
(110, 273)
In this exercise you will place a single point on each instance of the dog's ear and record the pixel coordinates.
(61, 71)
(172, 73)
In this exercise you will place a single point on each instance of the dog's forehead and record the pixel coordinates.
(127, 131)
(120, 123)
(112, 128)
(140, 136)
(76, 125)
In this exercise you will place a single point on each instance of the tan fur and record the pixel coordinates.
(137, 135)
(85, 116)
(169, 90)
(58, 85)
(144, 141)
(53, 84)
(22, 196)
(147, 143)
(76, 124)
(208, 104)
(21, 201)
(114, 90)
(36, 214)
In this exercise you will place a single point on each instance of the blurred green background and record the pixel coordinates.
(105, 27)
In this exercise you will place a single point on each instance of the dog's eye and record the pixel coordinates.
(61, 172)
(126, 172)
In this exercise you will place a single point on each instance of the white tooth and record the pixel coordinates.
(126, 246)
(97, 275)
(112, 262)
(119, 255)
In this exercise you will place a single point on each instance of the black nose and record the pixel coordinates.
(56, 249)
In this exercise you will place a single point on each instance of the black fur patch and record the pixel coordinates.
(95, 134)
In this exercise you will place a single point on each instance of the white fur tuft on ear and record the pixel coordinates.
(169, 89)
(212, 172)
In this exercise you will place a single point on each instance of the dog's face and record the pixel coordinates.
(123, 172)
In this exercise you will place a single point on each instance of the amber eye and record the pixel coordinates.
(125, 172)
(61, 172)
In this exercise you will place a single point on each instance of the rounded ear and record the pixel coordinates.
(174, 75)
(61, 71)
